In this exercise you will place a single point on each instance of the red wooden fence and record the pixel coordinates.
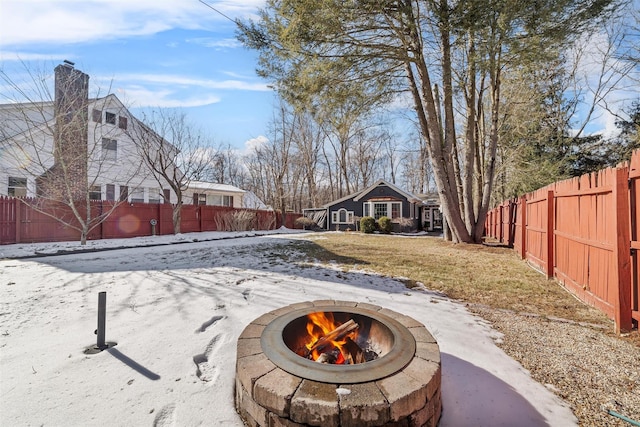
(21, 223)
(584, 233)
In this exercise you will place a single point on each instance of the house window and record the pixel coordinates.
(95, 192)
(111, 192)
(137, 195)
(110, 118)
(122, 122)
(219, 200)
(96, 115)
(155, 196)
(395, 210)
(109, 149)
(124, 193)
(342, 216)
(17, 187)
(166, 194)
(379, 209)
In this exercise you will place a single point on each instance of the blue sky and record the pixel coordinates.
(181, 53)
(150, 53)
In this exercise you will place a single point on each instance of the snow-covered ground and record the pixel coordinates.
(176, 311)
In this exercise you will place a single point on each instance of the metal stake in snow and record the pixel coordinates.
(102, 323)
(102, 319)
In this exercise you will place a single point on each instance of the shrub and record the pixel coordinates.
(306, 223)
(386, 226)
(367, 224)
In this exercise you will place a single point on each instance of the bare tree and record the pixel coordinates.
(174, 150)
(56, 149)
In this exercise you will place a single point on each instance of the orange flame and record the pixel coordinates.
(318, 325)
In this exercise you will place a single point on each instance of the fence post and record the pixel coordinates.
(18, 205)
(622, 255)
(550, 234)
(499, 223)
(523, 229)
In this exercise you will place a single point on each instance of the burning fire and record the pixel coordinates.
(331, 342)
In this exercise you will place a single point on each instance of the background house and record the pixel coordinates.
(431, 213)
(213, 194)
(41, 141)
(378, 200)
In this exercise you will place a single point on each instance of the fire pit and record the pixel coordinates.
(337, 363)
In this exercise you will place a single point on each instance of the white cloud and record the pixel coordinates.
(185, 81)
(211, 42)
(253, 143)
(142, 97)
(52, 22)
(14, 56)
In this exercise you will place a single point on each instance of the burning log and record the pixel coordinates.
(354, 352)
(336, 335)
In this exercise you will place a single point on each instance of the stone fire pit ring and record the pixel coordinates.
(275, 388)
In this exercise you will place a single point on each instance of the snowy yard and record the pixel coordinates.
(176, 311)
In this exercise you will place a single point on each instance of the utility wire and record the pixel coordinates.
(220, 13)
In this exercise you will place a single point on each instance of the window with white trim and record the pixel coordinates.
(109, 149)
(17, 187)
(95, 192)
(110, 118)
(219, 200)
(379, 209)
(155, 196)
(342, 216)
(137, 195)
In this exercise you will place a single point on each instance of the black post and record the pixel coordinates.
(102, 319)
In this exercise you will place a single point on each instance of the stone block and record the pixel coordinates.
(406, 321)
(252, 331)
(367, 306)
(364, 405)
(250, 368)
(248, 347)
(421, 334)
(274, 391)
(315, 404)
(276, 421)
(252, 413)
(426, 373)
(289, 308)
(404, 394)
(428, 351)
(322, 302)
(265, 319)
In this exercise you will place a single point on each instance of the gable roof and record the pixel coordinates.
(214, 186)
(358, 195)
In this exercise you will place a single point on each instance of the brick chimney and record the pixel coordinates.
(68, 176)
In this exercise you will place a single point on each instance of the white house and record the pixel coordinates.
(112, 164)
(209, 193)
(113, 169)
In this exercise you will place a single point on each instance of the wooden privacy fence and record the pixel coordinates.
(584, 233)
(21, 223)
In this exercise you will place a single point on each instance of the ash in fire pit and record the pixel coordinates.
(377, 367)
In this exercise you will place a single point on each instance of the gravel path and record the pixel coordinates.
(589, 368)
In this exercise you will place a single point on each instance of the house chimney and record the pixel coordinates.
(70, 138)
